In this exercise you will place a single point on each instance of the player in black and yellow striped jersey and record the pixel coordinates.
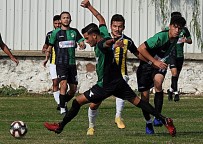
(52, 66)
(120, 56)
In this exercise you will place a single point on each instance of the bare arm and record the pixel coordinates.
(5, 48)
(151, 60)
(100, 18)
(44, 48)
(48, 52)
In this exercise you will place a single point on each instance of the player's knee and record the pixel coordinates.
(94, 106)
(75, 104)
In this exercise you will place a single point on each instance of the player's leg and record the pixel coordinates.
(92, 114)
(76, 104)
(73, 82)
(119, 107)
(159, 96)
(55, 84)
(179, 68)
(174, 83)
(62, 96)
(145, 82)
(149, 127)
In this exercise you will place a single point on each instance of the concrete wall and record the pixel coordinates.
(33, 76)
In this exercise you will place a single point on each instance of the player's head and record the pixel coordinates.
(176, 25)
(56, 21)
(65, 18)
(117, 25)
(176, 13)
(91, 33)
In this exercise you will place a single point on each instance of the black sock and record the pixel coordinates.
(174, 83)
(71, 113)
(158, 101)
(62, 100)
(151, 110)
(68, 97)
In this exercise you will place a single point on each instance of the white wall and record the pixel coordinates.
(24, 23)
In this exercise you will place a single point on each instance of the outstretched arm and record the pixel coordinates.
(100, 18)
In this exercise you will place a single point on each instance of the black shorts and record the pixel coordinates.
(145, 76)
(176, 63)
(67, 72)
(119, 88)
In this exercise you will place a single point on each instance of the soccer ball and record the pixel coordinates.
(18, 129)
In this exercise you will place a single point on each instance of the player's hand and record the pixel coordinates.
(44, 50)
(45, 62)
(118, 43)
(82, 45)
(85, 3)
(159, 64)
(15, 60)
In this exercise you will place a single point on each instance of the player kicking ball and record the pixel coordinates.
(110, 81)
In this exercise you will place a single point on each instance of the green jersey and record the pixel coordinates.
(106, 67)
(160, 46)
(64, 43)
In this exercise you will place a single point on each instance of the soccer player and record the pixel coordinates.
(110, 80)
(176, 63)
(52, 65)
(64, 40)
(117, 27)
(157, 51)
(5, 48)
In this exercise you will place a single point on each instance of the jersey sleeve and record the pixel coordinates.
(53, 37)
(131, 46)
(1, 41)
(47, 39)
(101, 45)
(104, 31)
(152, 42)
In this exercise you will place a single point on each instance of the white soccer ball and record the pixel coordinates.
(18, 129)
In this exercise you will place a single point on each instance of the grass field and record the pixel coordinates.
(34, 110)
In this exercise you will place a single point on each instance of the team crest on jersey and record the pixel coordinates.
(72, 35)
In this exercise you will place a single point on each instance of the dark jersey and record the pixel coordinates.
(1, 41)
(106, 67)
(120, 53)
(65, 42)
(160, 47)
(53, 54)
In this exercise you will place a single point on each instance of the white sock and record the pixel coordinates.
(56, 96)
(171, 90)
(63, 110)
(119, 106)
(149, 121)
(92, 114)
(176, 92)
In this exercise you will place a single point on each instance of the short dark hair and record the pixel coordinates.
(56, 17)
(178, 20)
(91, 28)
(64, 12)
(118, 17)
(176, 13)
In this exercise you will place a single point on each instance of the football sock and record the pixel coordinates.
(151, 110)
(56, 96)
(68, 97)
(149, 121)
(119, 106)
(174, 83)
(170, 89)
(71, 113)
(92, 114)
(62, 100)
(158, 101)
(146, 115)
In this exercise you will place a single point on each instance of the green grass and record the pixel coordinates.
(34, 110)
